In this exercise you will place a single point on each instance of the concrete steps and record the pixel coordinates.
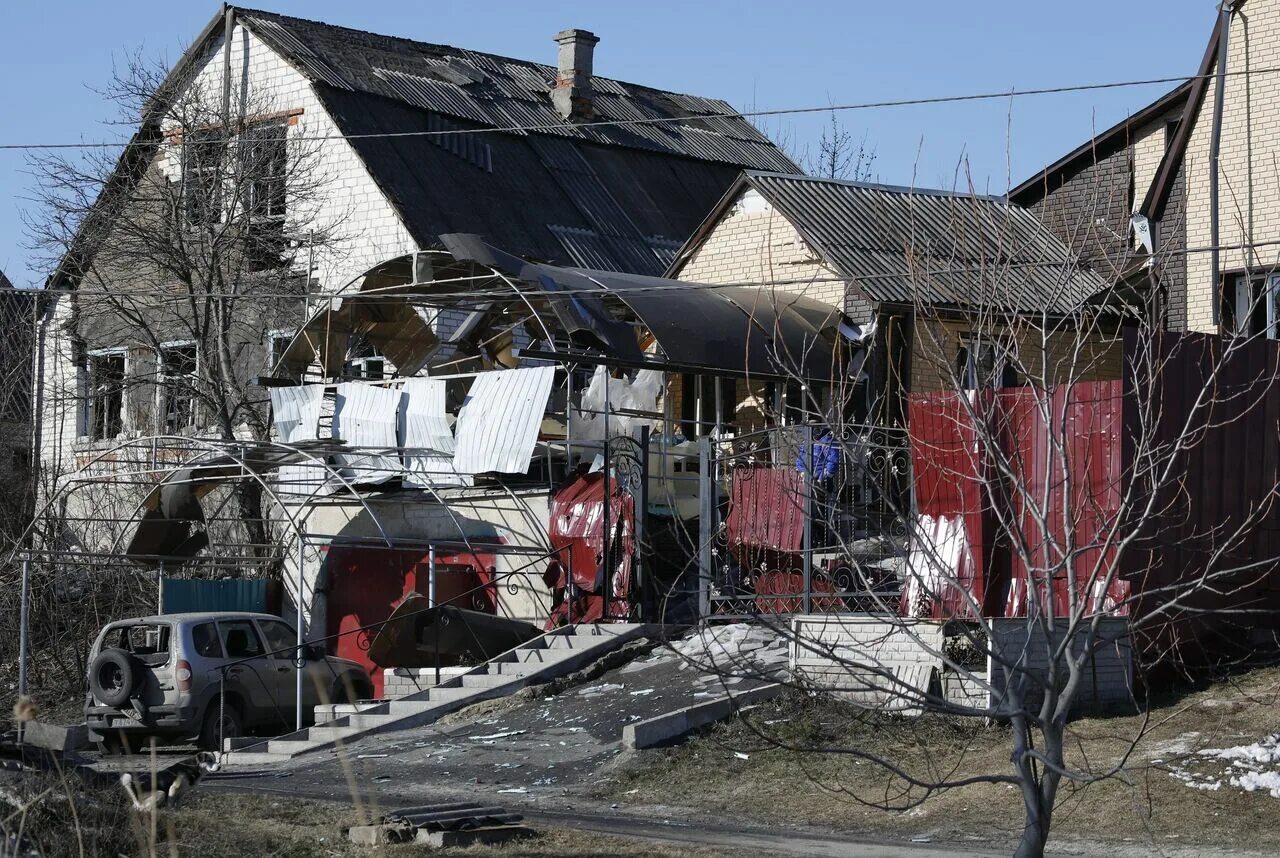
(554, 654)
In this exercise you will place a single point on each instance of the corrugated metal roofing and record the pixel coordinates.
(903, 245)
(411, 71)
(619, 196)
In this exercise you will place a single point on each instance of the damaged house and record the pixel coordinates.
(284, 161)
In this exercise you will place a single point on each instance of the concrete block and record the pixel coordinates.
(490, 835)
(673, 725)
(377, 835)
(53, 737)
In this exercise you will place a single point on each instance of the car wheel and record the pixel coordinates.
(220, 722)
(114, 676)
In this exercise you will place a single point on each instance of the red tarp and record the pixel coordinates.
(1069, 434)
(577, 538)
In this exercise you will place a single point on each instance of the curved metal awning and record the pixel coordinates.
(719, 330)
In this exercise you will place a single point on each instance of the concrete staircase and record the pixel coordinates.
(556, 653)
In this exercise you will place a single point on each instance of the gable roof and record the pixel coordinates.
(501, 92)
(5, 282)
(906, 245)
(476, 146)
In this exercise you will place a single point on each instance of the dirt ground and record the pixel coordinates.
(1178, 789)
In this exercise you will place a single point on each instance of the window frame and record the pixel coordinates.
(92, 392)
(1263, 287)
(166, 386)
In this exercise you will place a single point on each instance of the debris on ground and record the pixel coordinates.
(440, 825)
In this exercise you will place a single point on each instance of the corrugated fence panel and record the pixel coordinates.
(185, 595)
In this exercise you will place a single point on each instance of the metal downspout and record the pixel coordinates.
(1215, 146)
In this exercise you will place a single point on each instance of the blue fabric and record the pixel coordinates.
(824, 455)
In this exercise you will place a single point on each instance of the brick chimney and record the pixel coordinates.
(571, 93)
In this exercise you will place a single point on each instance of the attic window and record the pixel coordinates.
(264, 161)
(203, 170)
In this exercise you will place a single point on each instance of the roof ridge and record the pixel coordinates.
(879, 186)
(419, 43)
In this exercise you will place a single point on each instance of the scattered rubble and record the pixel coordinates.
(440, 825)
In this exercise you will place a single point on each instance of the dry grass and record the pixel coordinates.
(1145, 805)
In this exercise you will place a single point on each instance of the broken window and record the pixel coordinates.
(365, 362)
(264, 161)
(203, 165)
(1251, 305)
(105, 400)
(276, 345)
(178, 366)
(982, 363)
(147, 642)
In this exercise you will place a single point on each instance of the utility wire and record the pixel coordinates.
(659, 120)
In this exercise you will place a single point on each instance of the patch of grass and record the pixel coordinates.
(835, 790)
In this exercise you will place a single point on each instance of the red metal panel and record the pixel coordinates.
(766, 509)
(949, 473)
(577, 538)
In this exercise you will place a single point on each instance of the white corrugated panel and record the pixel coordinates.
(426, 436)
(499, 421)
(296, 414)
(365, 418)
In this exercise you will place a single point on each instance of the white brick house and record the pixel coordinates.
(410, 140)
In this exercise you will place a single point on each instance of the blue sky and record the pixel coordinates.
(771, 54)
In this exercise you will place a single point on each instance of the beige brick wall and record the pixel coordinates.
(1044, 357)
(754, 243)
(1249, 186)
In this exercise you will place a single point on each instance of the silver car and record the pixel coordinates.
(206, 677)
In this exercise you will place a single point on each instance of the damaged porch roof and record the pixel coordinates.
(627, 318)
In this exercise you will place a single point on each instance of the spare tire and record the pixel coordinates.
(114, 676)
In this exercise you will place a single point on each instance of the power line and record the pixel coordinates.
(746, 114)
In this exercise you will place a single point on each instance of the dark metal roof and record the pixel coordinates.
(908, 245)
(619, 198)
(501, 92)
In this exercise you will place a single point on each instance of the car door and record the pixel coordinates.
(317, 678)
(250, 671)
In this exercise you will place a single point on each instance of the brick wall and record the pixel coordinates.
(754, 243)
(865, 659)
(1249, 186)
(1090, 212)
(1069, 356)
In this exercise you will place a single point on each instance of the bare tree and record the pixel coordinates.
(186, 260)
(839, 155)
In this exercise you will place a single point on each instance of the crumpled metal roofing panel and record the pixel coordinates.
(499, 420)
(905, 245)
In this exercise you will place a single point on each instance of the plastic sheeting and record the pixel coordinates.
(296, 412)
(365, 418)
(426, 435)
(499, 421)
(638, 394)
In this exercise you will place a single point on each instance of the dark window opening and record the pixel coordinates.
(204, 639)
(982, 363)
(1249, 305)
(698, 404)
(106, 395)
(264, 165)
(365, 363)
(178, 365)
(203, 170)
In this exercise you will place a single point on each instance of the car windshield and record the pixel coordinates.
(149, 642)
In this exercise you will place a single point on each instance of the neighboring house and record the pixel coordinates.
(412, 140)
(1156, 166)
(913, 266)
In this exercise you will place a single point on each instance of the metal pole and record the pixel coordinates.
(160, 589)
(707, 505)
(810, 458)
(431, 603)
(24, 615)
(1215, 146)
(568, 421)
(607, 589)
(299, 661)
(642, 513)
